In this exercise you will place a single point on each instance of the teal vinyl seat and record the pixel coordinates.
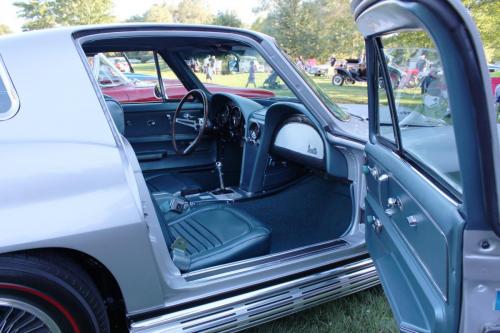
(213, 236)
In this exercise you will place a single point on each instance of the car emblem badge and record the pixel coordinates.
(312, 150)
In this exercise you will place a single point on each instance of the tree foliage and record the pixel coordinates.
(313, 28)
(193, 11)
(228, 19)
(486, 15)
(187, 11)
(4, 29)
(41, 14)
(319, 28)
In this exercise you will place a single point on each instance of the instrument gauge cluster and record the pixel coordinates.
(229, 121)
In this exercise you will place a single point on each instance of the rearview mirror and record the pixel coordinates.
(233, 64)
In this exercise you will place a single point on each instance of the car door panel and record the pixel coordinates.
(415, 242)
(148, 127)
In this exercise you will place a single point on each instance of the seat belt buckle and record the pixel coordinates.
(179, 254)
(178, 205)
(179, 244)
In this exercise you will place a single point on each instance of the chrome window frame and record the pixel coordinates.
(11, 93)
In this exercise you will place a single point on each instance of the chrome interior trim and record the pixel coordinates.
(263, 261)
(256, 307)
(428, 181)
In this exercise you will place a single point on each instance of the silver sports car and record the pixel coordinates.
(253, 196)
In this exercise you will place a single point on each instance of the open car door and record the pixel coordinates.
(432, 202)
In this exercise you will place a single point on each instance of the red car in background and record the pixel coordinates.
(142, 88)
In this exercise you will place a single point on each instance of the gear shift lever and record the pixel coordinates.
(218, 166)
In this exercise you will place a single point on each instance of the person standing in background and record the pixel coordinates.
(251, 75)
(210, 72)
(300, 63)
(333, 60)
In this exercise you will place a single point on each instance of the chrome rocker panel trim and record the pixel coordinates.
(256, 307)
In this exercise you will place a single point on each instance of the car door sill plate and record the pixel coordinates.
(259, 262)
(256, 307)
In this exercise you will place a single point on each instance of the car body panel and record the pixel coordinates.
(66, 168)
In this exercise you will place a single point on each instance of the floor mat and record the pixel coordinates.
(312, 211)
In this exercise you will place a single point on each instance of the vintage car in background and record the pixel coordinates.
(221, 211)
(128, 87)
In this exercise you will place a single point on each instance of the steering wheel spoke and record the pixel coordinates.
(198, 124)
(188, 122)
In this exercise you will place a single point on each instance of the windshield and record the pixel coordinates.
(320, 91)
(237, 69)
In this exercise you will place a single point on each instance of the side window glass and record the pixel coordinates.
(131, 77)
(385, 123)
(422, 105)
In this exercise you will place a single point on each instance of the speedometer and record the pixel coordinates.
(236, 117)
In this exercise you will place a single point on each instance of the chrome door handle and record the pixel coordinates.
(151, 123)
(375, 223)
(394, 202)
(393, 205)
(412, 220)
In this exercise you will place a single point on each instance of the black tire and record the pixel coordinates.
(55, 289)
(338, 80)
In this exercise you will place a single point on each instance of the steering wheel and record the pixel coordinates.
(198, 124)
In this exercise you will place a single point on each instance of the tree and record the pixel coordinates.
(228, 19)
(4, 29)
(193, 11)
(41, 14)
(159, 13)
(314, 28)
(135, 18)
(77, 12)
(485, 14)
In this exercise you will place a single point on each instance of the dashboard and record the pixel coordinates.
(277, 143)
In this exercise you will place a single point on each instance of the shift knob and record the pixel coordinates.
(218, 166)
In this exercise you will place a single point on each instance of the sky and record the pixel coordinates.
(123, 9)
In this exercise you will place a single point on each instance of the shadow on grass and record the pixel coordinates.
(367, 311)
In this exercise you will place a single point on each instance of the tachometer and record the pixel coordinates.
(222, 117)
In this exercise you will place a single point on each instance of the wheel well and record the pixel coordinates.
(103, 279)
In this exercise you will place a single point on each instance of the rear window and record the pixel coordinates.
(9, 103)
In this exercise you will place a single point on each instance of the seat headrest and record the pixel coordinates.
(116, 111)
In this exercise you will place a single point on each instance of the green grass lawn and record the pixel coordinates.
(367, 311)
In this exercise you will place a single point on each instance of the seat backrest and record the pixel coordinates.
(116, 111)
